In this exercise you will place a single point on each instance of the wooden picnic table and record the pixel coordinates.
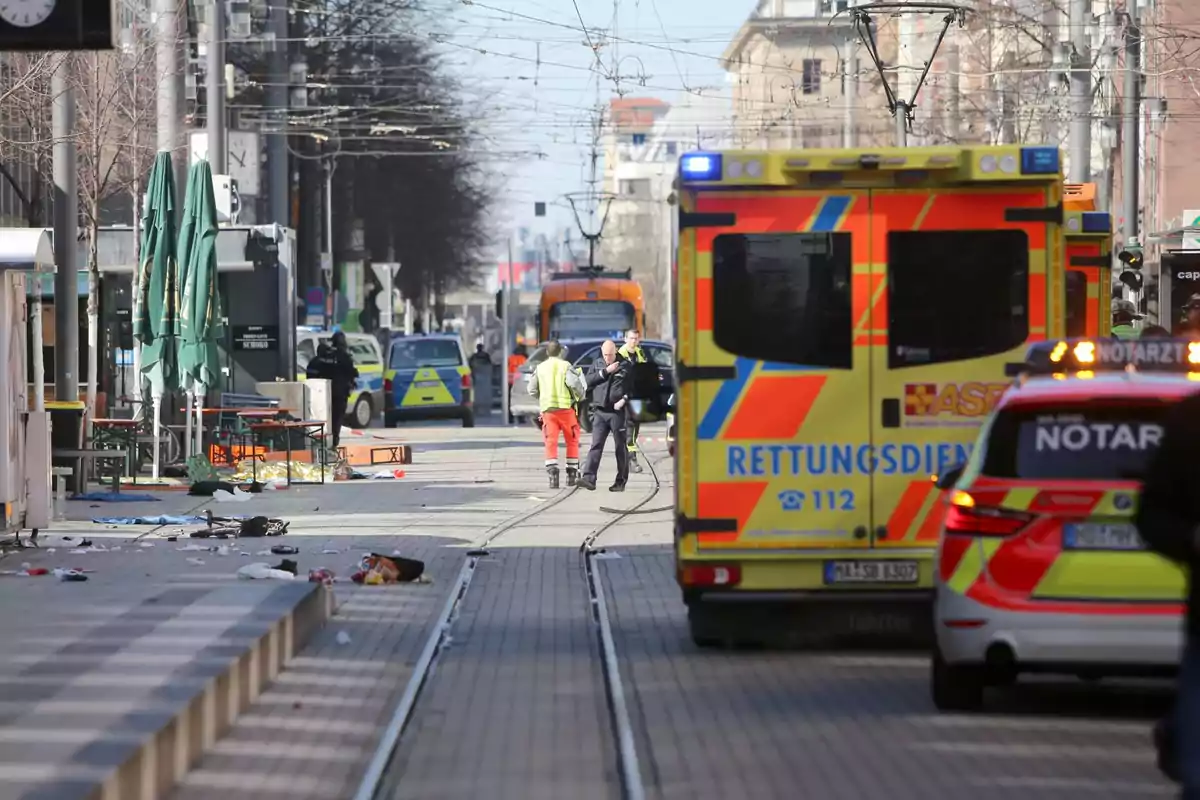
(208, 412)
(312, 429)
(120, 432)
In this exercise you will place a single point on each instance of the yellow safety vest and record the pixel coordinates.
(552, 385)
(641, 355)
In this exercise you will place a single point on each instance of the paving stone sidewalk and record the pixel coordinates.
(858, 726)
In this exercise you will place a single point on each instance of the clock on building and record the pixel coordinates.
(64, 25)
(26, 13)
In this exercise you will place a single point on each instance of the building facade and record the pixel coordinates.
(800, 79)
(638, 231)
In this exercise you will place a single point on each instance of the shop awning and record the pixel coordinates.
(26, 250)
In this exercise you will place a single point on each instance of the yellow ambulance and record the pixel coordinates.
(844, 318)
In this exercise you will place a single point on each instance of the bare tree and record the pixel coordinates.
(115, 116)
(1004, 85)
(25, 133)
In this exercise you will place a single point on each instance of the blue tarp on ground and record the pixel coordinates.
(116, 497)
(165, 519)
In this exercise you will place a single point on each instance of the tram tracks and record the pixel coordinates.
(618, 706)
(376, 777)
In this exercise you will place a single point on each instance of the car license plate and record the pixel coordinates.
(1101, 536)
(427, 384)
(871, 572)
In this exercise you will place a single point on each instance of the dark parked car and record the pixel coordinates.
(581, 353)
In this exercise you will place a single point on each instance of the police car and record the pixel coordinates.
(1039, 568)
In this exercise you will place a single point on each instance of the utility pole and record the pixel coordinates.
(953, 130)
(168, 66)
(214, 91)
(901, 115)
(901, 109)
(850, 93)
(1131, 104)
(331, 306)
(1080, 134)
(66, 234)
(506, 346)
(278, 182)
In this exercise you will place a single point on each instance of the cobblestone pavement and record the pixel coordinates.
(855, 725)
(516, 709)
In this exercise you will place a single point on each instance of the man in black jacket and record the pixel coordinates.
(1168, 519)
(335, 365)
(608, 395)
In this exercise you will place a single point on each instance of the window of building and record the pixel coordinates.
(784, 297)
(956, 295)
(1077, 303)
(672, 148)
(638, 139)
(810, 79)
(634, 187)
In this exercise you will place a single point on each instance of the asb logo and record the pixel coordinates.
(951, 399)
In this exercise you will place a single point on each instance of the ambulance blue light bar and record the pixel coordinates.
(700, 166)
(1097, 222)
(1066, 356)
(1040, 161)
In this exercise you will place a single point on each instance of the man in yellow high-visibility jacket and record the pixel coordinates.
(632, 351)
(558, 387)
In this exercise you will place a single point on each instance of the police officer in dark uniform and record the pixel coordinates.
(336, 365)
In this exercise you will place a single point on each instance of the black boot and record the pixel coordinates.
(572, 476)
(553, 473)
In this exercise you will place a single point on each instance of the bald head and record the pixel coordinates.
(609, 351)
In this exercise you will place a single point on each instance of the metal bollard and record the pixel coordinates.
(60, 494)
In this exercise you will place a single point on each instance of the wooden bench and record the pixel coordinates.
(92, 454)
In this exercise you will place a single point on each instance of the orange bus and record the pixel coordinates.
(1089, 262)
(591, 303)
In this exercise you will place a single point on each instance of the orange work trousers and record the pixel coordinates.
(554, 422)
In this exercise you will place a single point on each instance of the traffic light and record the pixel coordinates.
(1132, 257)
(61, 25)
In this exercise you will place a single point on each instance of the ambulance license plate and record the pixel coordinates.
(1102, 536)
(871, 572)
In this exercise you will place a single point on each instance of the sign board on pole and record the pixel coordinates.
(1191, 221)
(385, 301)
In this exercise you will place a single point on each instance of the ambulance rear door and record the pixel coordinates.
(960, 288)
(772, 395)
(1089, 273)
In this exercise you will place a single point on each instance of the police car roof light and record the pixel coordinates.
(1097, 222)
(700, 166)
(1087, 356)
(1040, 161)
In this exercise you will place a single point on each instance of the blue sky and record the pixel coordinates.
(528, 64)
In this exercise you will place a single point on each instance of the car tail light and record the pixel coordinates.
(387, 385)
(966, 516)
(466, 380)
(710, 575)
